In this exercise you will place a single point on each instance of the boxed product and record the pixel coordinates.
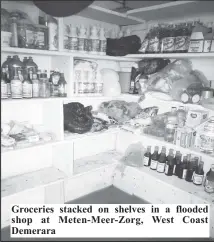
(196, 117)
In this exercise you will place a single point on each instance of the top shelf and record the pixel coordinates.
(131, 57)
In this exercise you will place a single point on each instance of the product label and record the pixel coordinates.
(198, 179)
(35, 89)
(146, 161)
(154, 45)
(166, 168)
(168, 44)
(73, 43)
(181, 43)
(196, 46)
(103, 46)
(27, 90)
(95, 45)
(160, 167)
(207, 46)
(4, 90)
(184, 173)
(30, 37)
(153, 165)
(16, 90)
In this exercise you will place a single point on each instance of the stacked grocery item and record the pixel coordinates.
(19, 135)
(83, 40)
(189, 168)
(179, 38)
(23, 79)
(24, 33)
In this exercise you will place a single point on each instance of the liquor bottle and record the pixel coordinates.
(169, 168)
(190, 170)
(178, 158)
(209, 180)
(183, 169)
(147, 157)
(198, 175)
(162, 160)
(154, 159)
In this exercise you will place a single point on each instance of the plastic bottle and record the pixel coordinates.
(82, 40)
(73, 39)
(94, 41)
(52, 33)
(103, 42)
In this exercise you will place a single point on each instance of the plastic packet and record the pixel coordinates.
(134, 155)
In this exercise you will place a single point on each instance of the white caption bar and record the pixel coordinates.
(111, 220)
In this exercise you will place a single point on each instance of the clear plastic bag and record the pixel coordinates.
(133, 155)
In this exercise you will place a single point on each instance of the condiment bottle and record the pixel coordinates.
(5, 66)
(183, 169)
(73, 39)
(190, 170)
(154, 159)
(209, 180)
(103, 42)
(177, 162)
(62, 85)
(35, 84)
(27, 87)
(14, 30)
(94, 41)
(169, 168)
(4, 92)
(82, 40)
(16, 85)
(52, 33)
(147, 157)
(161, 161)
(198, 175)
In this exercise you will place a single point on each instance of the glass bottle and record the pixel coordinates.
(5, 66)
(62, 86)
(16, 85)
(13, 29)
(198, 175)
(161, 160)
(154, 159)
(27, 87)
(55, 81)
(171, 125)
(147, 157)
(209, 180)
(30, 65)
(35, 84)
(177, 162)
(4, 93)
(183, 168)
(207, 137)
(15, 63)
(190, 170)
(169, 168)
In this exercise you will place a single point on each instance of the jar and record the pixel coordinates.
(14, 39)
(15, 65)
(30, 66)
(170, 132)
(207, 138)
(41, 37)
(52, 34)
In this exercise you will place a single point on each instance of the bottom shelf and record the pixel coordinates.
(30, 180)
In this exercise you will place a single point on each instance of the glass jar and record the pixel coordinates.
(15, 65)
(13, 29)
(207, 137)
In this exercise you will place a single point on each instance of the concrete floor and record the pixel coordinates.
(110, 195)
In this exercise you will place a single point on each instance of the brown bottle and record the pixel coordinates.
(177, 162)
(162, 161)
(169, 168)
(147, 157)
(209, 180)
(154, 159)
(183, 169)
(190, 170)
(198, 175)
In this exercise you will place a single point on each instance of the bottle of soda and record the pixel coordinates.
(169, 168)
(198, 175)
(154, 159)
(162, 160)
(147, 157)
